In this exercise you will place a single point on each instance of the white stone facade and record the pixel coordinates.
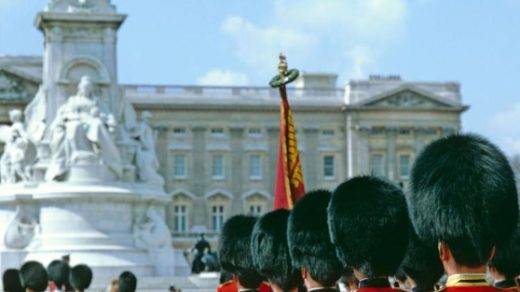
(216, 146)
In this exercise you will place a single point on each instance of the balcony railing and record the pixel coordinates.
(224, 92)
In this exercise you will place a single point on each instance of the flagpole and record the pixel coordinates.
(289, 179)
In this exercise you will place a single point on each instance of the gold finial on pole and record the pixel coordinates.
(282, 66)
(285, 76)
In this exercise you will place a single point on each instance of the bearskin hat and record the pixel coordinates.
(127, 282)
(270, 250)
(58, 272)
(309, 240)
(33, 276)
(463, 194)
(11, 281)
(80, 277)
(422, 264)
(235, 250)
(507, 256)
(369, 225)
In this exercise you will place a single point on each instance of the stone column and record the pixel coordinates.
(110, 46)
(162, 143)
(273, 133)
(51, 62)
(391, 137)
(198, 176)
(311, 168)
(238, 177)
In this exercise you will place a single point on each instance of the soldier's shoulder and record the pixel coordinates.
(228, 286)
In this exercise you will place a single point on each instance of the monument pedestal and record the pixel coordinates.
(95, 225)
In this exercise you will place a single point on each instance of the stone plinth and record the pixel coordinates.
(95, 224)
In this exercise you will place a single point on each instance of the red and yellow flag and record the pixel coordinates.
(288, 187)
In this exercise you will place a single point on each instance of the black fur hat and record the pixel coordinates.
(34, 276)
(127, 282)
(309, 240)
(271, 252)
(58, 272)
(422, 264)
(80, 277)
(463, 193)
(369, 225)
(11, 281)
(507, 256)
(235, 250)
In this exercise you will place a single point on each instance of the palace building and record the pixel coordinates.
(217, 146)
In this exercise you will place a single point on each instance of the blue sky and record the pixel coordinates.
(476, 43)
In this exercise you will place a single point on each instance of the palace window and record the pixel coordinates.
(179, 131)
(327, 132)
(217, 217)
(217, 132)
(255, 210)
(254, 132)
(180, 218)
(217, 166)
(404, 131)
(377, 166)
(179, 166)
(255, 166)
(404, 165)
(328, 166)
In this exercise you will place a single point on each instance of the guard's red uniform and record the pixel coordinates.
(468, 283)
(381, 289)
(232, 286)
(376, 285)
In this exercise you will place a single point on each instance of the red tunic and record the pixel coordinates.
(471, 289)
(380, 289)
(232, 286)
(468, 283)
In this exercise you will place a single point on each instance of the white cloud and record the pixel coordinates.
(362, 59)
(259, 46)
(223, 78)
(363, 19)
(327, 35)
(504, 129)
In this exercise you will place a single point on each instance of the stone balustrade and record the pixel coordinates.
(243, 92)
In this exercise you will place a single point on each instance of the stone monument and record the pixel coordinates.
(79, 172)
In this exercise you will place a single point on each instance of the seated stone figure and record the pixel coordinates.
(79, 136)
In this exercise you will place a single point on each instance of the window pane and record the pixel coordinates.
(217, 131)
(404, 165)
(254, 132)
(328, 166)
(255, 166)
(180, 217)
(179, 165)
(217, 169)
(376, 165)
(327, 132)
(217, 217)
(179, 131)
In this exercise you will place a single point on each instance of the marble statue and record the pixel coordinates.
(79, 135)
(147, 163)
(96, 161)
(35, 116)
(151, 232)
(19, 152)
(20, 230)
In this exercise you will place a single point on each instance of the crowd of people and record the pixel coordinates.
(60, 277)
(456, 229)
